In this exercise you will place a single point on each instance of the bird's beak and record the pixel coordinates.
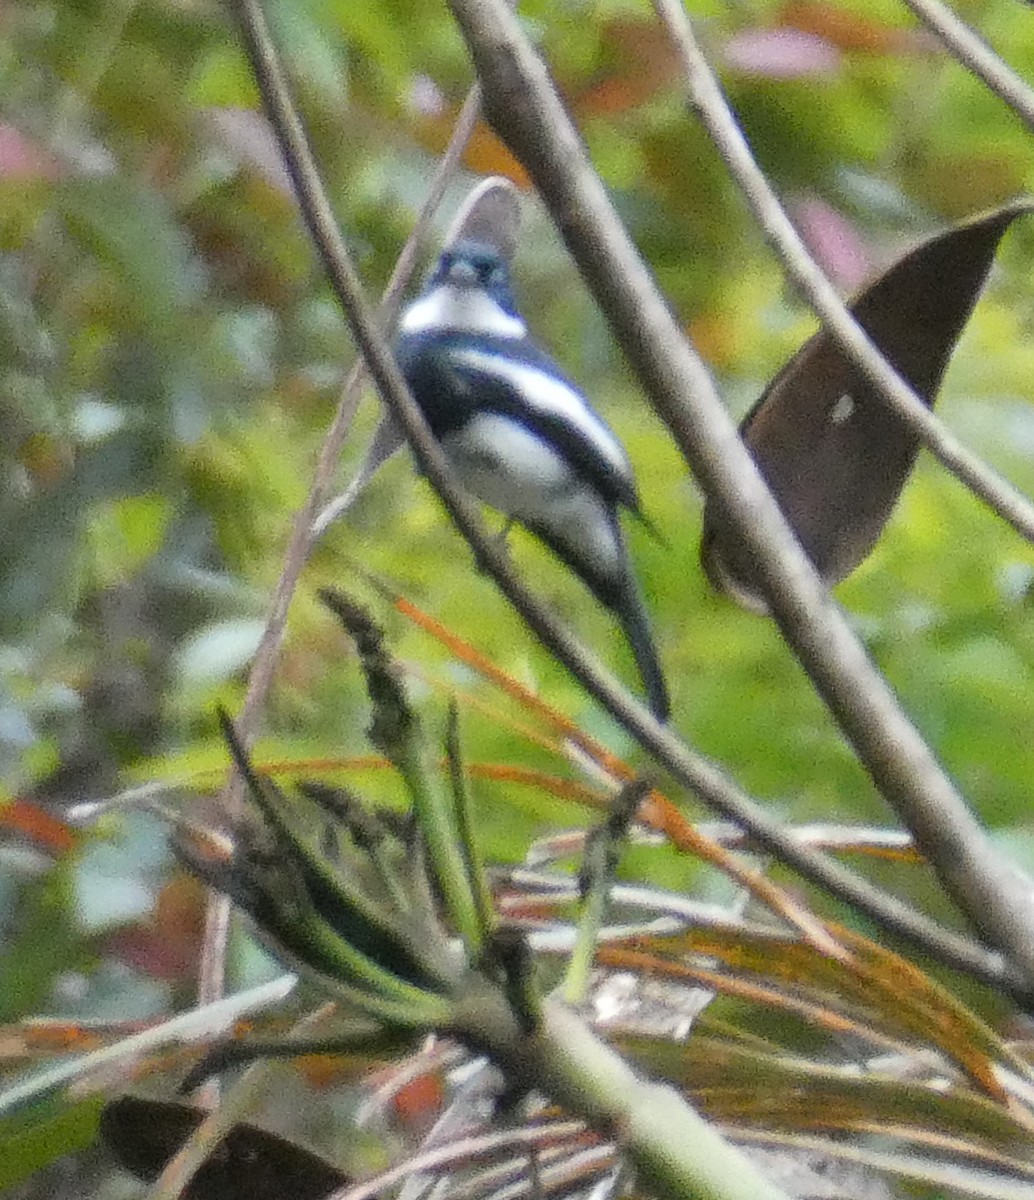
(462, 274)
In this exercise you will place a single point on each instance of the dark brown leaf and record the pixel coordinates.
(248, 1164)
(835, 456)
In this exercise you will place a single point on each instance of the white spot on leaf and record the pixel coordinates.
(843, 410)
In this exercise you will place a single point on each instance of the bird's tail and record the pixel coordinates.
(630, 611)
(621, 594)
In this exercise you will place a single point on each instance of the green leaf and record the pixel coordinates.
(132, 229)
(31, 1140)
(124, 534)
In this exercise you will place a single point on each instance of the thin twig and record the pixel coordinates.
(977, 56)
(303, 537)
(525, 110)
(466, 121)
(718, 118)
(118, 1059)
(460, 1152)
(691, 769)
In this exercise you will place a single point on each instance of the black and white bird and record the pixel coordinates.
(521, 437)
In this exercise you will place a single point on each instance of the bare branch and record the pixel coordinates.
(304, 535)
(525, 110)
(691, 769)
(713, 110)
(977, 56)
(461, 1152)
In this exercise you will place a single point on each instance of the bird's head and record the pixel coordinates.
(468, 292)
(478, 266)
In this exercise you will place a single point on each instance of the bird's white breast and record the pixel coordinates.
(552, 396)
(470, 310)
(507, 466)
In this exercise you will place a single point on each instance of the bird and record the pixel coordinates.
(522, 438)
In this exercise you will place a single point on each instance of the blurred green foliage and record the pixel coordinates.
(170, 358)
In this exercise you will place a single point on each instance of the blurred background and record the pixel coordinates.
(170, 358)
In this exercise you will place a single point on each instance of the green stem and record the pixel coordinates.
(599, 867)
(437, 823)
(477, 880)
(676, 1153)
(579, 967)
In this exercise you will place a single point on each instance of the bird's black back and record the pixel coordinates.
(451, 392)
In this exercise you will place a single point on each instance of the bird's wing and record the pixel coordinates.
(526, 387)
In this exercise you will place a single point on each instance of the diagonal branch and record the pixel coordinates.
(692, 770)
(720, 121)
(974, 54)
(523, 105)
(304, 536)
